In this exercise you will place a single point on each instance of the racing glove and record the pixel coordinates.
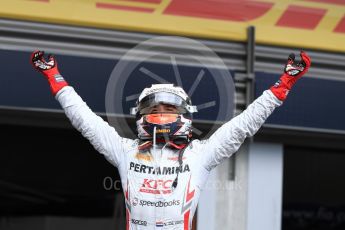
(49, 69)
(292, 72)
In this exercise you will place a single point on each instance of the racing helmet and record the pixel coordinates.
(164, 125)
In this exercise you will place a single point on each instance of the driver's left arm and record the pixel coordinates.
(229, 137)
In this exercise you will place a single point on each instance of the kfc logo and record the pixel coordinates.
(156, 186)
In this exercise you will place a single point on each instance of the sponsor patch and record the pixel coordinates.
(139, 222)
(158, 204)
(143, 156)
(135, 201)
(156, 186)
(59, 78)
(175, 158)
(141, 168)
(170, 223)
(163, 131)
(159, 224)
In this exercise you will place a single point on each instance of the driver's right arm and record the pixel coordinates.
(101, 135)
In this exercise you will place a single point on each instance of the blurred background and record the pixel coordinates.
(290, 176)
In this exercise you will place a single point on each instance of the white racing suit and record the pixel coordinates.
(147, 177)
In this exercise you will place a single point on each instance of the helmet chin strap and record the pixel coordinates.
(153, 143)
(176, 146)
(154, 136)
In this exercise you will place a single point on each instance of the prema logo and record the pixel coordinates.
(156, 186)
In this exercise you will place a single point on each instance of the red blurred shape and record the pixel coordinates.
(338, 2)
(145, 1)
(231, 10)
(341, 26)
(126, 8)
(301, 17)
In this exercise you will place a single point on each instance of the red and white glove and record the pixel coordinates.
(49, 69)
(292, 72)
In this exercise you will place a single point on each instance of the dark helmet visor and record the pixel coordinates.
(148, 102)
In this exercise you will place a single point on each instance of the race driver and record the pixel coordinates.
(164, 170)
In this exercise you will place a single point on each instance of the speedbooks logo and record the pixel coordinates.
(157, 204)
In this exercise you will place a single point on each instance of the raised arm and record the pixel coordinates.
(103, 137)
(229, 137)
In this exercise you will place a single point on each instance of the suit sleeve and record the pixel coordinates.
(229, 137)
(101, 135)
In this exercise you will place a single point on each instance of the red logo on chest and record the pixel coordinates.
(156, 186)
